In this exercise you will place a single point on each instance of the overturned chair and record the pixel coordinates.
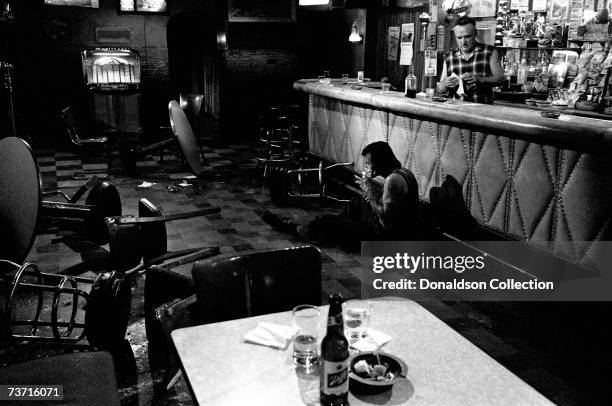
(234, 286)
(65, 310)
(285, 183)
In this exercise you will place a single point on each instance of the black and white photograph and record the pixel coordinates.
(236, 202)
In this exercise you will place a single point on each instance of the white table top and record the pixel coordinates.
(443, 367)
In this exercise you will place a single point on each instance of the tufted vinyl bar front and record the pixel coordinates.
(556, 198)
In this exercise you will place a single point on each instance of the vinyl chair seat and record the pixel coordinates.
(88, 378)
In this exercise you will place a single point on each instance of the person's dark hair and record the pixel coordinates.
(465, 20)
(382, 154)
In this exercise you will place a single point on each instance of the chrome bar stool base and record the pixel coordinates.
(281, 189)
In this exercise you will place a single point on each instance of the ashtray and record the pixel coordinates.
(550, 114)
(355, 87)
(369, 370)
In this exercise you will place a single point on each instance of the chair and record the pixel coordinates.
(88, 378)
(191, 104)
(257, 283)
(90, 144)
(184, 133)
(235, 286)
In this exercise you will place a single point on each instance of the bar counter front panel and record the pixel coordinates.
(544, 181)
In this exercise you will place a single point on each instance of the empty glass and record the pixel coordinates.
(326, 77)
(345, 78)
(306, 321)
(385, 87)
(357, 314)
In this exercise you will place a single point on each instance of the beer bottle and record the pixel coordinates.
(334, 358)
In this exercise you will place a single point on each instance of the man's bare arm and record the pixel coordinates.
(497, 72)
(394, 190)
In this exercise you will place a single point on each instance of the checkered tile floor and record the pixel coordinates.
(237, 189)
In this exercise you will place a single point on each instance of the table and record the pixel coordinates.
(443, 367)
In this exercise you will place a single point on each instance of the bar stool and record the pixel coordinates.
(281, 183)
(276, 146)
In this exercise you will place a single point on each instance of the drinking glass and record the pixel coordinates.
(360, 76)
(327, 77)
(357, 314)
(345, 78)
(429, 92)
(385, 87)
(306, 321)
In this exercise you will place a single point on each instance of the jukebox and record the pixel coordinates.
(113, 78)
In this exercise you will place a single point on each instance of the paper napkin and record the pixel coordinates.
(374, 340)
(270, 335)
(460, 90)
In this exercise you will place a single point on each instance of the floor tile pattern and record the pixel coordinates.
(235, 185)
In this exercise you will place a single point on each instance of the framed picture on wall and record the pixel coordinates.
(75, 3)
(558, 10)
(539, 5)
(250, 11)
(143, 6)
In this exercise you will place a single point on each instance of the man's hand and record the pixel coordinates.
(469, 80)
(364, 184)
(452, 81)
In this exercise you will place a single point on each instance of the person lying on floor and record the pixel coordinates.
(371, 216)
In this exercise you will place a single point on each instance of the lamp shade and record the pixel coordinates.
(355, 37)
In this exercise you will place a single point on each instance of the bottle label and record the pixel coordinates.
(334, 320)
(334, 377)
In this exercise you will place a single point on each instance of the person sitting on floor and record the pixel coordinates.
(370, 217)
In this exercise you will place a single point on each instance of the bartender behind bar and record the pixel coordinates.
(476, 64)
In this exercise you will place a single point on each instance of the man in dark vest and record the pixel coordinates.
(474, 63)
(390, 216)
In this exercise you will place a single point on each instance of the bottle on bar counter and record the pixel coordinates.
(334, 376)
(523, 69)
(410, 84)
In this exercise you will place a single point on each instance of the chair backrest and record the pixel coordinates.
(173, 104)
(183, 132)
(70, 125)
(258, 282)
(21, 198)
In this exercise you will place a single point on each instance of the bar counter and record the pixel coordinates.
(517, 122)
(541, 180)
